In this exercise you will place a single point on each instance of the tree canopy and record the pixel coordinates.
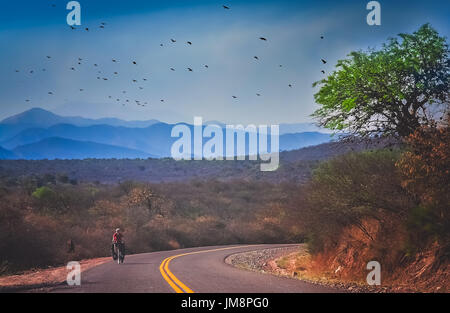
(390, 91)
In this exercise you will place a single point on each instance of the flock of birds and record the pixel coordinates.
(142, 103)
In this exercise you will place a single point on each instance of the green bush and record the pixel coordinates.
(44, 193)
(350, 188)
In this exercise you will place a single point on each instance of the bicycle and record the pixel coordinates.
(118, 252)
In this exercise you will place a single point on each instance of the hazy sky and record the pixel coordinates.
(225, 40)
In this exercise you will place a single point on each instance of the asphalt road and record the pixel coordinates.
(199, 270)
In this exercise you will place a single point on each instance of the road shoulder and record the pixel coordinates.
(40, 279)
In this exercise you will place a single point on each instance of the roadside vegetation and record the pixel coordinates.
(388, 205)
(40, 215)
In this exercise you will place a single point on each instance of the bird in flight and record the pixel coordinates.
(49, 57)
(206, 66)
(134, 62)
(173, 40)
(321, 37)
(225, 7)
(323, 61)
(234, 97)
(162, 100)
(114, 60)
(87, 29)
(262, 38)
(134, 81)
(323, 72)
(172, 69)
(50, 93)
(189, 43)
(290, 85)
(258, 94)
(189, 69)
(72, 68)
(144, 79)
(95, 64)
(256, 58)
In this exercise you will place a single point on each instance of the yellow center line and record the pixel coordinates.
(172, 280)
(164, 275)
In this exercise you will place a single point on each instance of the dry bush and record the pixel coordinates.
(425, 167)
(39, 215)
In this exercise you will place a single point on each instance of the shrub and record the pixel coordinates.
(349, 189)
(426, 170)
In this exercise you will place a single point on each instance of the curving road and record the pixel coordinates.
(199, 270)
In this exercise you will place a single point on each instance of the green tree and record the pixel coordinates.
(51, 200)
(391, 91)
(44, 193)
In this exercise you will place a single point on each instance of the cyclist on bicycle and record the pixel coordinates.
(118, 240)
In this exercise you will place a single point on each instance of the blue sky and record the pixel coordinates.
(225, 40)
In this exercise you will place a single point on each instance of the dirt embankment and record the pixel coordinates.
(382, 241)
(41, 278)
(293, 262)
(344, 265)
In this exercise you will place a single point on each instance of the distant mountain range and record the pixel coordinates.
(40, 118)
(154, 139)
(61, 148)
(6, 154)
(40, 134)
